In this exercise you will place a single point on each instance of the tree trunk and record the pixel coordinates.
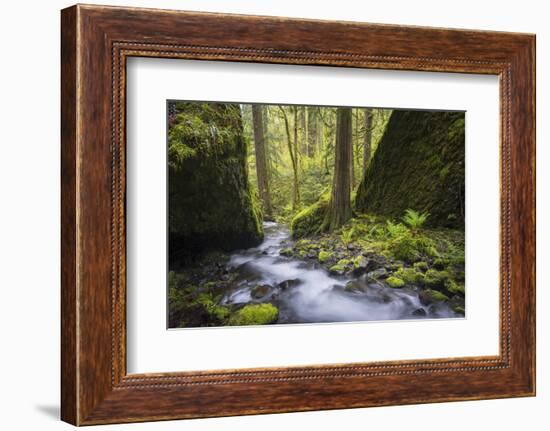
(261, 160)
(367, 144)
(339, 210)
(295, 187)
(296, 148)
(306, 131)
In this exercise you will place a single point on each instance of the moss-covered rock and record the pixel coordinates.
(419, 164)
(257, 314)
(211, 204)
(459, 309)
(309, 220)
(395, 282)
(191, 305)
(410, 275)
(454, 288)
(429, 296)
(436, 279)
(324, 256)
(341, 267)
(421, 266)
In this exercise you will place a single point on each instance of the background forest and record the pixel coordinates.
(300, 214)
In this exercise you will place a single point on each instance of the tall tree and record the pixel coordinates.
(261, 159)
(296, 149)
(305, 130)
(367, 144)
(293, 159)
(339, 209)
(312, 131)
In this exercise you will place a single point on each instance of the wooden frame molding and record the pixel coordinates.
(95, 43)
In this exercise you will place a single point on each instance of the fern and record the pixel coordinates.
(395, 229)
(414, 219)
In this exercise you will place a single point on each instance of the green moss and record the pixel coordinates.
(258, 314)
(358, 261)
(419, 164)
(412, 248)
(309, 220)
(421, 266)
(435, 295)
(286, 252)
(191, 305)
(210, 202)
(454, 288)
(440, 263)
(324, 256)
(459, 309)
(436, 279)
(340, 267)
(410, 275)
(395, 282)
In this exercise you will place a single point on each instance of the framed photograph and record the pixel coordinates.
(264, 215)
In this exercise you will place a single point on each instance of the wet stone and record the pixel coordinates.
(355, 286)
(419, 312)
(287, 284)
(260, 291)
(378, 273)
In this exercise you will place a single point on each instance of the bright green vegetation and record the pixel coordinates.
(393, 253)
(309, 220)
(395, 282)
(324, 256)
(258, 314)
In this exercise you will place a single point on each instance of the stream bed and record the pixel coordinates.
(305, 292)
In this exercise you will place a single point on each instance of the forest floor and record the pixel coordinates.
(370, 269)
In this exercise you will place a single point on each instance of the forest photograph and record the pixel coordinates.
(293, 214)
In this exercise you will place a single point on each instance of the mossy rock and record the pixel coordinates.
(379, 273)
(459, 309)
(309, 221)
(428, 296)
(395, 282)
(189, 308)
(324, 256)
(286, 252)
(421, 266)
(210, 202)
(340, 268)
(419, 164)
(454, 288)
(410, 275)
(436, 279)
(260, 291)
(258, 314)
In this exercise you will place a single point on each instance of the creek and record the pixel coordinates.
(305, 292)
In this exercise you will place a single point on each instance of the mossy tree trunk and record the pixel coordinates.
(339, 209)
(261, 160)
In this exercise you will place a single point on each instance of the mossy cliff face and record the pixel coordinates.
(419, 164)
(211, 205)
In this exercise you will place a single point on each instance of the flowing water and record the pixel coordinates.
(305, 292)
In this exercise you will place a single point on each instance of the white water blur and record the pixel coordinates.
(319, 296)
